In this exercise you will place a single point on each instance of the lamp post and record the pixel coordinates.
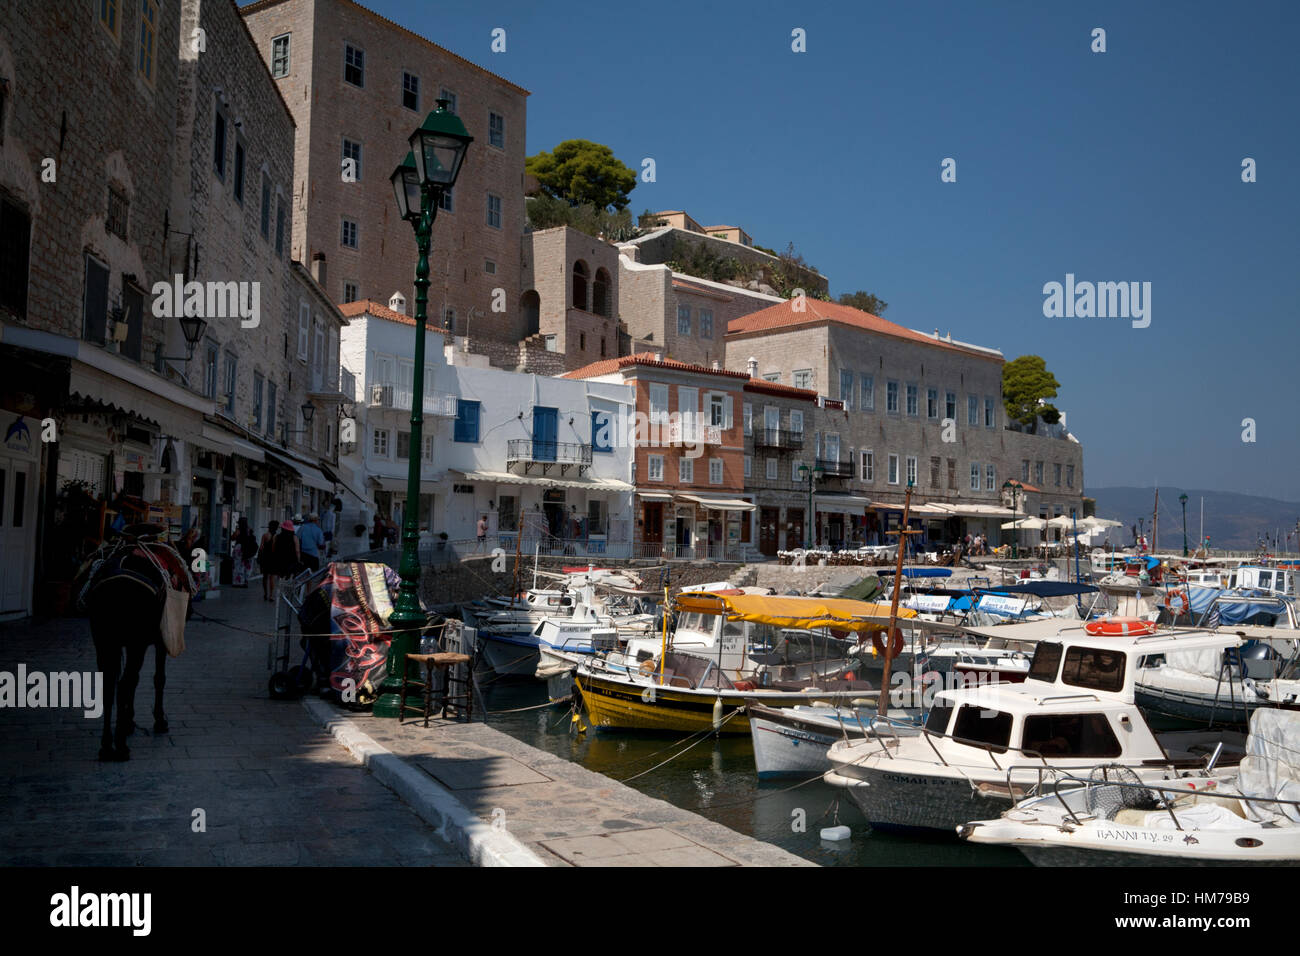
(810, 474)
(438, 148)
(1183, 498)
(1015, 531)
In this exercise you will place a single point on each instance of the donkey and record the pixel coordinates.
(125, 592)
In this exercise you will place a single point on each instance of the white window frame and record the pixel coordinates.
(867, 392)
(974, 476)
(348, 48)
(802, 374)
(685, 470)
(749, 466)
(715, 471)
(846, 394)
(990, 413)
(911, 470)
(892, 475)
(416, 77)
(771, 469)
(288, 53)
(990, 478)
(659, 397)
(654, 468)
(345, 156)
(867, 461)
(912, 399)
(796, 421)
(683, 320)
(893, 399)
(972, 410)
(794, 471)
(379, 437)
(932, 404)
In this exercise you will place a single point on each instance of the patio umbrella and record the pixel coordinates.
(1061, 521)
(1025, 524)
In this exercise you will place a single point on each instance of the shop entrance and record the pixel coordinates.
(768, 532)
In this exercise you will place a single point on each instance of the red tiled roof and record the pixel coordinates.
(370, 307)
(1025, 486)
(783, 315)
(606, 366)
(776, 388)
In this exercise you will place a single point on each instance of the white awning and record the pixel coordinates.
(387, 483)
(216, 439)
(930, 511)
(842, 504)
(313, 478)
(655, 495)
(246, 449)
(718, 504)
(974, 510)
(590, 484)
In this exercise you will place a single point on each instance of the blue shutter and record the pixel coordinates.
(545, 432)
(601, 432)
(467, 414)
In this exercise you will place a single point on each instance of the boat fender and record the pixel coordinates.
(836, 834)
(717, 712)
(895, 643)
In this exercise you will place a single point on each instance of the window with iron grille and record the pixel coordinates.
(118, 208)
(280, 56)
(354, 65)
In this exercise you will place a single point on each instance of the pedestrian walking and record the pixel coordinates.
(328, 521)
(287, 554)
(482, 533)
(242, 548)
(310, 541)
(266, 560)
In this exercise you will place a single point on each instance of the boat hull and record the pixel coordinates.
(627, 705)
(899, 800)
(509, 656)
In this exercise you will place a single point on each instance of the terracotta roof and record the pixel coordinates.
(606, 366)
(783, 315)
(370, 307)
(1024, 486)
(776, 388)
(264, 4)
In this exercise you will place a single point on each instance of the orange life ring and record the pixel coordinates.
(1119, 627)
(895, 643)
(1181, 597)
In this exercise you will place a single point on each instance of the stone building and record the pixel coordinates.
(87, 119)
(918, 407)
(689, 454)
(570, 301)
(258, 453)
(358, 85)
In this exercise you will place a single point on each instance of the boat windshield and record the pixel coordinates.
(937, 720)
(1046, 661)
(1070, 735)
(977, 725)
(1094, 668)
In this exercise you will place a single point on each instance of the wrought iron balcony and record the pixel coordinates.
(391, 395)
(525, 453)
(778, 438)
(835, 469)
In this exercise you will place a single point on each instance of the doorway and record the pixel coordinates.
(793, 528)
(768, 531)
(17, 533)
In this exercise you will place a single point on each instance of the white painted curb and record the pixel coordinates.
(477, 841)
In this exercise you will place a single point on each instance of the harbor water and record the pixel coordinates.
(715, 778)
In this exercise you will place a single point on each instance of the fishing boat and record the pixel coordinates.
(689, 691)
(794, 741)
(1251, 818)
(1227, 686)
(983, 747)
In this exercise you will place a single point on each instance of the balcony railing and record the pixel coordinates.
(831, 468)
(390, 395)
(565, 455)
(778, 438)
(693, 433)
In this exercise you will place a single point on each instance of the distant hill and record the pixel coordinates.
(1233, 521)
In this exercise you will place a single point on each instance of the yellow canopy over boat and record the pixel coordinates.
(840, 613)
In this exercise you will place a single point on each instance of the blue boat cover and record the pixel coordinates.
(1235, 612)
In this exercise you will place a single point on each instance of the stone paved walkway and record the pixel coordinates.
(276, 789)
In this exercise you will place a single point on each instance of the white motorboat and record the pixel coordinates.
(984, 747)
(1251, 818)
(794, 741)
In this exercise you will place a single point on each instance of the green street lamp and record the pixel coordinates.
(1014, 488)
(1183, 498)
(437, 151)
(810, 474)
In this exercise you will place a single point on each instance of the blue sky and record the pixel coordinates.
(1115, 166)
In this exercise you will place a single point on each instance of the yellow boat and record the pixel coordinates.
(690, 692)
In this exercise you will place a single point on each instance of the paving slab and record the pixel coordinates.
(274, 788)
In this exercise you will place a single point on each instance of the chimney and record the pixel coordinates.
(717, 366)
(753, 367)
(318, 268)
(659, 356)
(398, 303)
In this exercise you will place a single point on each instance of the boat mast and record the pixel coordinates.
(1155, 524)
(883, 707)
